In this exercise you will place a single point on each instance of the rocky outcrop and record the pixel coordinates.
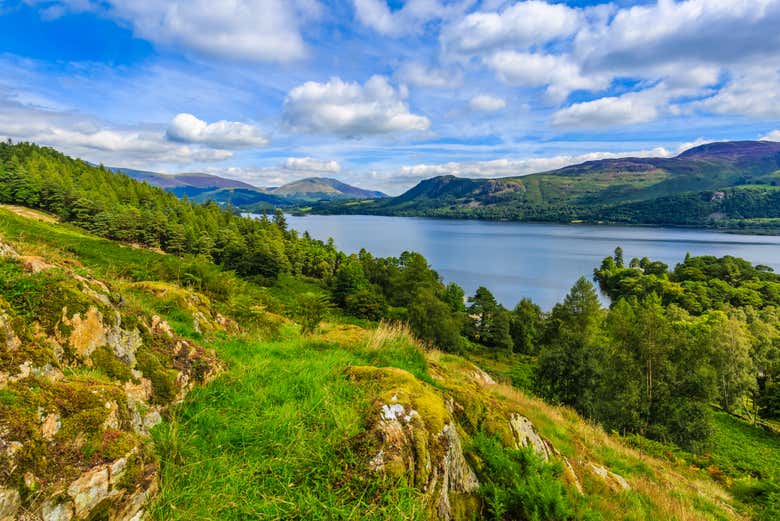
(84, 376)
(526, 436)
(416, 439)
(614, 481)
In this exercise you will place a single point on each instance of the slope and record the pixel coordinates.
(351, 420)
(318, 188)
(630, 190)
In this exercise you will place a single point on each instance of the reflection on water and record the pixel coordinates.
(515, 260)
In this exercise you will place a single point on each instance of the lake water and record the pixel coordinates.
(515, 260)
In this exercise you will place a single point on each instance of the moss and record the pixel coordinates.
(104, 359)
(409, 391)
(88, 422)
(112, 445)
(163, 380)
(422, 458)
(40, 297)
(134, 473)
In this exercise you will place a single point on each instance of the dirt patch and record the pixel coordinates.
(29, 213)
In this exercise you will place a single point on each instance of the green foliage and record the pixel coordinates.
(433, 321)
(117, 207)
(279, 446)
(526, 327)
(311, 309)
(516, 484)
(571, 363)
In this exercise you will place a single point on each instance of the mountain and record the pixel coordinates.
(207, 187)
(319, 188)
(172, 181)
(711, 184)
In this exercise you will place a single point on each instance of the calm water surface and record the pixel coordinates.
(515, 260)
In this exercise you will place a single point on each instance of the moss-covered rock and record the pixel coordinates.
(83, 376)
(417, 439)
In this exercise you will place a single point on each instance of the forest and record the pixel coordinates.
(674, 346)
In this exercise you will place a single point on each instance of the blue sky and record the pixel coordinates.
(383, 93)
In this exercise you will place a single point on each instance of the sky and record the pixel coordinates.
(384, 93)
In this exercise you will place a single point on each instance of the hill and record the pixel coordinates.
(296, 193)
(194, 180)
(719, 184)
(276, 422)
(207, 187)
(319, 188)
(157, 354)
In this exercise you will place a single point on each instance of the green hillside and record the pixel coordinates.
(720, 184)
(238, 370)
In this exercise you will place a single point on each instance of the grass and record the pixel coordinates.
(281, 434)
(275, 438)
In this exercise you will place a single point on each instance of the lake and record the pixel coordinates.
(515, 260)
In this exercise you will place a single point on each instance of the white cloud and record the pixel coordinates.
(522, 25)
(559, 73)
(772, 136)
(417, 74)
(693, 144)
(312, 165)
(631, 108)
(519, 167)
(719, 32)
(256, 30)
(350, 109)
(96, 141)
(628, 109)
(186, 128)
(485, 103)
(410, 18)
(755, 93)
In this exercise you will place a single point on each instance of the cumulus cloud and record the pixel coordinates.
(755, 93)
(485, 103)
(312, 165)
(772, 136)
(519, 167)
(257, 30)
(690, 31)
(559, 73)
(350, 109)
(628, 109)
(414, 14)
(417, 74)
(186, 128)
(96, 141)
(631, 108)
(522, 25)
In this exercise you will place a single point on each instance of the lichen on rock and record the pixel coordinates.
(416, 438)
(83, 376)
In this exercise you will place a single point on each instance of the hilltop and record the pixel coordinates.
(729, 184)
(318, 188)
(202, 187)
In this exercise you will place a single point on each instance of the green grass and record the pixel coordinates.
(745, 458)
(278, 436)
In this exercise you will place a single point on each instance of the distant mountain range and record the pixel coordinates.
(206, 187)
(727, 184)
